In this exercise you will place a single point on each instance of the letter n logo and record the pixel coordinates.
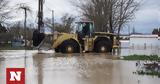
(15, 76)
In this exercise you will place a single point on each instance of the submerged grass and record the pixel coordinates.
(9, 47)
(152, 73)
(141, 57)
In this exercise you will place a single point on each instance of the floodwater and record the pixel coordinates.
(51, 68)
(127, 51)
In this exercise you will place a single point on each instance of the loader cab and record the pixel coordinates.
(85, 29)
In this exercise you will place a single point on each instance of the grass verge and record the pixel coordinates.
(151, 73)
(9, 47)
(141, 57)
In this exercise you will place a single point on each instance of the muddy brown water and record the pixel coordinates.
(51, 68)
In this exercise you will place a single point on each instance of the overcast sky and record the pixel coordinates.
(147, 18)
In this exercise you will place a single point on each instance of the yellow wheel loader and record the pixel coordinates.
(84, 40)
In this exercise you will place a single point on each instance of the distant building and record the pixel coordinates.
(124, 36)
(127, 36)
(144, 41)
(141, 42)
(124, 43)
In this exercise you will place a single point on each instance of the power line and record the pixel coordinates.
(47, 7)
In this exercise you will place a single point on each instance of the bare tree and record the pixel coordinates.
(126, 11)
(26, 9)
(16, 30)
(108, 15)
(2, 29)
(66, 24)
(4, 10)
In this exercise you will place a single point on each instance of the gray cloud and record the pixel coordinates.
(147, 18)
(60, 7)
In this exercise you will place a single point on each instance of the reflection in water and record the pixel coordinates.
(38, 60)
(93, 70)
(2, 69)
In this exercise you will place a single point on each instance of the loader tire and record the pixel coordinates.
(103, 46)
(70, 47)
(37, 38)
(57, 50)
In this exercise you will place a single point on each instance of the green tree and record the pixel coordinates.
(155, 31)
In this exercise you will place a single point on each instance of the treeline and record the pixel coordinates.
(156, 31)
(15, 30)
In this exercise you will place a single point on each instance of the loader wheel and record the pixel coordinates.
(37, 38)
(70, 47)
(103, 47)
(57, 50)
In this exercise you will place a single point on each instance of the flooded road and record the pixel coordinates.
(54, 68)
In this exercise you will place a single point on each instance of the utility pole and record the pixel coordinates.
(25, 24)
(40, 14)
(53, 19)
(25, 8)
